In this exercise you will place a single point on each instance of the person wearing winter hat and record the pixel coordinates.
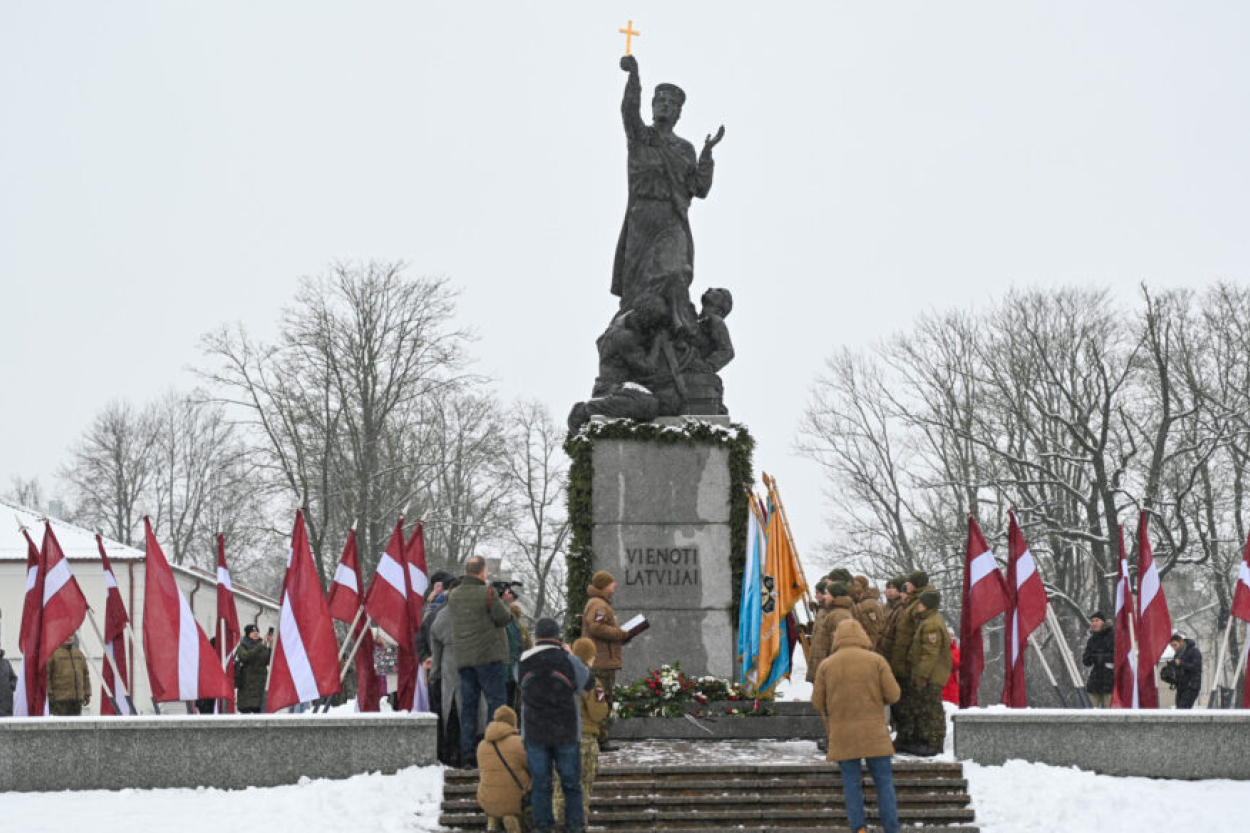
(889, 621)
(600, 625)
(594, 708)
(917, 582)
(867, 610)
(552, 678)
(504, 775)
(1099, 658)
(929, 664)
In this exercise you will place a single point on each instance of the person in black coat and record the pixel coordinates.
(1100, 659)
(1187, 660)
(8, 683)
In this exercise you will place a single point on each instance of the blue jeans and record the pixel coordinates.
(476, 680)
(568, 762)
(852, 789)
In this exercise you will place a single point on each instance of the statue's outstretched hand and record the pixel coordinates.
(630, 64)
(712, 141)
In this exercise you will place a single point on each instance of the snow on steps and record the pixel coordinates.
(773, 797)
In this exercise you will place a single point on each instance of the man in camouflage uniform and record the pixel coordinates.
(889, 621)
(900, 655)
(930, 666)
(820, 647)
(867, 610)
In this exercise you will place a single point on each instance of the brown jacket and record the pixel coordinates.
(822, 643)
(839, 612)
(595, 709)
(868, 612)
(930, 655)
(889, 628)
(497, 793)
(68, 680)
(853, 687)
(599, 624)
(900, 657)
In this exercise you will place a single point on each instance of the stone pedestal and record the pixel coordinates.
(661, 526)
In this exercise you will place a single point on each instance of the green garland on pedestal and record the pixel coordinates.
(735, 437)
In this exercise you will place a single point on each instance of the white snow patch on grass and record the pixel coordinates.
(1021, 797)
(405, 802)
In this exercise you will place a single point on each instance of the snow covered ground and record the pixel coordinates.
(1035, 798)
(407, 801)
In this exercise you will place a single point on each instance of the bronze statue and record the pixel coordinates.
(658, 357)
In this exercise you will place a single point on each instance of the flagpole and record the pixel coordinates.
(351, 631)
(1219, 664)
(1050, 674)
(347, 663)
(771, 484)
(106, 658)
(1065, 652)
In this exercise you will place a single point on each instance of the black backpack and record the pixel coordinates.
(548, 702)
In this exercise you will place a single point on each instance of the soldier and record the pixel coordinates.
(867, 610)
(819, 645)
(900, 663)
(889, 622)
(594, 709)
(599, 624)
(929, 661)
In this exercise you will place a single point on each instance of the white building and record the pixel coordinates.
(79, 545)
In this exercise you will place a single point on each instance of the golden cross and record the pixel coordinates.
(629, 34)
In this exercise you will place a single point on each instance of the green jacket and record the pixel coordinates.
(479, 623)
(930, 655)
(900, 662)
(253, 673)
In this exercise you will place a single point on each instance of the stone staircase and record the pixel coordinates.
(701, 798)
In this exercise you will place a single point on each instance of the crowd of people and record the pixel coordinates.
(865, 657)
(530, 712)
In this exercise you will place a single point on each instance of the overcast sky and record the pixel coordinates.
(167, 167)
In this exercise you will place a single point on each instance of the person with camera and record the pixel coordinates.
(251, 669)
(479, 619)
(1184, 671)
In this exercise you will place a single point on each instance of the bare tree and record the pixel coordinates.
(359, 358)
(111, 470)
(27, 492)
(537, 474)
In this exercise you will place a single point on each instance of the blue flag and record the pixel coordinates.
(749, 606)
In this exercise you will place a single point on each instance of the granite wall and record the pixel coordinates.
(113, 753)
(661, 527)
(1154, 743)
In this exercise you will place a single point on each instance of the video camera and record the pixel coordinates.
(502, 587)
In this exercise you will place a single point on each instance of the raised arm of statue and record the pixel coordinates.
(631, 102)
(702, 176)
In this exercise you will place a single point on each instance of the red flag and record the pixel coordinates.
(1241, 591)
(984, 597)
(64, 606)
(1125, 693)
(306, 657)
(1154, 622)
(181, 663)
(31, 694)
(345, 601)
(1241, 610)
(115, 620)
(227, 628)
(1026, 609)
(386, 602)
(345, 589)
(413, 695)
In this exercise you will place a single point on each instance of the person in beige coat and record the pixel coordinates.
(499, 793)
(853, 687)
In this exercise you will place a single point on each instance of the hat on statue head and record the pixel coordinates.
(673, 90)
